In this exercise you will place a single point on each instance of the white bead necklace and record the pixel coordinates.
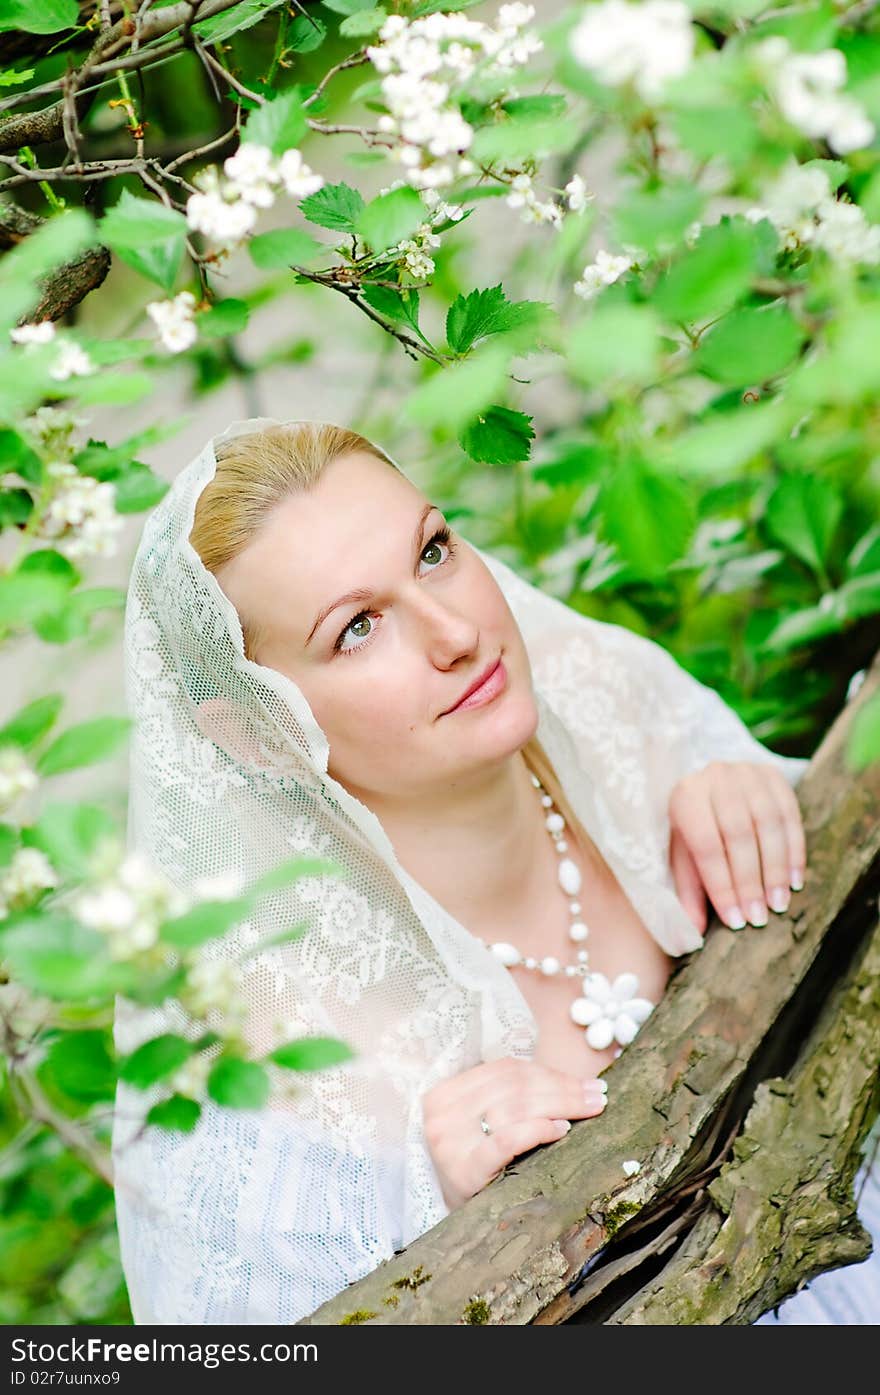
(608, 1011)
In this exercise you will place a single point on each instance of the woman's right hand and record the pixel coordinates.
(523, 1103)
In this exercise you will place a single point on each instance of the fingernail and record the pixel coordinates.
(735, 918)
(592, 1098)
(563, 1125)
(757, 913)
(797, 880)
(779, 899)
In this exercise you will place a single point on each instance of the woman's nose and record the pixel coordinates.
(444, 626)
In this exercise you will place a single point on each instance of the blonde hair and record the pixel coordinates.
(254, 473)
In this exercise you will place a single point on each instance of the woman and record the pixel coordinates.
(303, 635)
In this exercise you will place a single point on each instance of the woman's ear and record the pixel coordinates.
(220, 721)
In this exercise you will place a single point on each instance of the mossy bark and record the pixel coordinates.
(745, 1096)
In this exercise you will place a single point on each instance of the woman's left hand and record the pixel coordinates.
(736, 834)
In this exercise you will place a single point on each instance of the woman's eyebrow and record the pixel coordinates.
(363, 595)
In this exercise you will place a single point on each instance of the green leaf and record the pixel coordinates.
(238, 1084)
(25, 597)
(709, 132)
(31, 723)
(863, 747)
(16, 506)
(401, 307)
(650, 518)
(311, 1053)
(177, 1113)
(803, 626)
(155, 1059)
(147, 235)
(498, 436)
(111, 389)
(615, 343)
(750, 345)
(206, 921)
(279, 124)
(138, 489)
(57, 241)
(334, 206)
(57, 956)
(480, 313)
(306, 33)
(453, 396)
(82, 1065)
(865, 556)
(69, 834)
(860, 596)
(8, 843)
(42, 17)
(802, 515)
(712, 276)
(283, 247)
(17, 457)
(84, 744)
(847, 369)
(389, 218)
(364, 22)
(516, 140)
(293, 870)
(348, 7)
(725, 441)
(226, 317)
(243, 16)
(656, 219)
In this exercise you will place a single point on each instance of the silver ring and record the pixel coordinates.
(484, 1124)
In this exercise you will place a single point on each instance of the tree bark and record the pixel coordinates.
(745, 1097)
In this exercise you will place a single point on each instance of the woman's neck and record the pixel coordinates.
(483, 855)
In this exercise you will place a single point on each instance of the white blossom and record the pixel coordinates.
(808, 88)
(642, 44)
(16, 776)
(604, 271)
(29, 873)
(576, 194)
(802, 207)
(213, 986)
(175, 321)
(252, 174)
(72, 362)
(845, 234)
(612, 1010)
(41, 333)
(522, 195)
(128, 902)
(631, 1167)
(81, 517)
(296, 176)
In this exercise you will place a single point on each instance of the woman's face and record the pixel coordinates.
(381, 669)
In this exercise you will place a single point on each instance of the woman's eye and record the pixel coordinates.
(440, 539)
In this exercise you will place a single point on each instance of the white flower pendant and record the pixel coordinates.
(610, 1011)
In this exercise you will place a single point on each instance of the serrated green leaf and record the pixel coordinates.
(137, 489)
(802, 515)
(69, 833)
(155, 1059)
(81, 1064)
(364, 22)
(238, 1084)
(710, 277)
(46, 17)
(306, 33)
(17, 456)
(480, 313)
(84, 744)
(334, 206)
(227, 317)
(220, 27)
(148, 236)
(176, 1113)
(32, 722)
(863, 747)
(311, 1053)
(279, 124)
(206, 921)
(457, 394)
(283, 247)
(55, 955)
(750, 345)
(516, 140)
(656, 219)
(498, 436)
(390, 218)
(649, 517)
(615, 343)
(401, 307)
(293, 870)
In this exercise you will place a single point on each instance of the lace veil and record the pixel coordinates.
(260, 1216)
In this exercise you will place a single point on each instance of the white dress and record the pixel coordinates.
(261, 1217)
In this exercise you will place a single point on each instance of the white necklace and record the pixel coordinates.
(608, 1011)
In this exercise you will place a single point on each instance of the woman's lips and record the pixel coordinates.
(491, 686)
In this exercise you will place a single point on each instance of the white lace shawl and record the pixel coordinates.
(259, 1217)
